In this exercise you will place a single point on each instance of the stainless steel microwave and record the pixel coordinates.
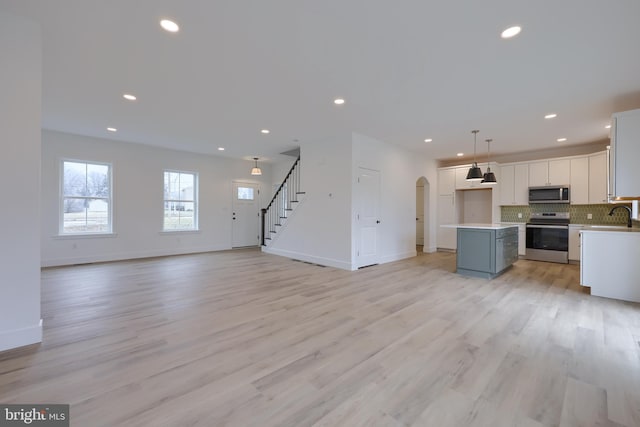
(549, 194)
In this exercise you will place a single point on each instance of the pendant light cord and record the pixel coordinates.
(475, 134)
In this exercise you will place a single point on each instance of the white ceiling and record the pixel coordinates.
(408, 69)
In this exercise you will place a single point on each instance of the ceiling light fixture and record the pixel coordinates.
(561, 139)
(112, 129)
(129, 97)
(338, 101)
(511, 32)
(428, 140)
(551, 116)
(256, 170)
(265, 131)
(474, 174)
(607, 127)
(460, 154)
(169, 26)
(220, 148)
(489, 178)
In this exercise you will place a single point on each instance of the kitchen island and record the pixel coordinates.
(485, 250)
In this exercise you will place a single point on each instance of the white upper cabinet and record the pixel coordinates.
(461, 179)
(514, 184)
(597, 178)
(579, 181)
(446, 181)
(551, 172)
(625, 151)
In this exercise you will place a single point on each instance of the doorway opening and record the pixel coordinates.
(422, 216)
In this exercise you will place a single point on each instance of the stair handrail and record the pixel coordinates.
(264, 211)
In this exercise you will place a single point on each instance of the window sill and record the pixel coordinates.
(85, 236)
(180, 232)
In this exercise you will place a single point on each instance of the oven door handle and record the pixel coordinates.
(562, 227)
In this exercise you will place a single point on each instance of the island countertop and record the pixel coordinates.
(481, 226)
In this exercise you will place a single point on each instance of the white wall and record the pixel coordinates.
(137, 172)
(477, 206)
(320, 228)
(20, 105)
(399, 171)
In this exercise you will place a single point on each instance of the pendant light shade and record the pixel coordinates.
(256, 170)
(489, 177)
(474, 174)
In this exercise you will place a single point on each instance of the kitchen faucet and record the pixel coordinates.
(628, 210)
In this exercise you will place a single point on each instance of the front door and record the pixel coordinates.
(246, 214)
(368, 216)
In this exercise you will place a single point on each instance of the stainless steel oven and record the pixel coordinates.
(548, 237)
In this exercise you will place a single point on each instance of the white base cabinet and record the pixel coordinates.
(610, 264)
(574, 241)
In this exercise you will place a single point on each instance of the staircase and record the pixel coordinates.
(282, 204)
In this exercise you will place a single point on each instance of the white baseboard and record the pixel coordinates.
(329, 262)
(21, 337)
(429, 250)
(56, 262)
(398, 256)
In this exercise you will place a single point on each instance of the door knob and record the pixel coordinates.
(378, 222)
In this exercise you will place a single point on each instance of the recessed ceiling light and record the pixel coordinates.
(428, 140)
(338, 101)
(561, 139)
(129, 97)
(460, 154)
(265, 131)
(607, 127)
(112, 129)
(510, 32)
(551, 116)
(220, 148)
(170, 26)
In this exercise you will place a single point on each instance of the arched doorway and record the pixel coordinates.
(422, 215)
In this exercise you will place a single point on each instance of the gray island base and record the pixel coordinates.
(486, 250)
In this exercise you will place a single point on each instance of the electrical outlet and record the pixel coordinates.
(519, 214)
(589, 216)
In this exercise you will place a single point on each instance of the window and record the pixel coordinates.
(86, 198)
(245, 193)
(180, 201)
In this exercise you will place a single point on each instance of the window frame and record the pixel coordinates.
(195, 201)
(62, 197)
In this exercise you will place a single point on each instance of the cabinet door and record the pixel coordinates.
(461, 179)
(579, 181)
(559, 172)
(625, 151)
(597, 178)
(521, 185)
(446, 181)
(507, 185)
(522, 240)
(446, 215)
(538, 174)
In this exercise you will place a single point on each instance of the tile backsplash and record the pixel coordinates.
(578, 213)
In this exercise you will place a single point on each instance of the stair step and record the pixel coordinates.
(273, 231)
(283, 217)
(294, 201)
(301, 192)
(288, 209)
(278, 225)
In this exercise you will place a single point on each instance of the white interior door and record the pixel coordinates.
(246, 214)
(368, 216)
(419, 214)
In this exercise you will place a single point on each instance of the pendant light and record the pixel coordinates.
(256, 170)
(489, 177)
(474, 174)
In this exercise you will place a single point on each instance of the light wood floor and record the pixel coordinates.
(241, 338)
